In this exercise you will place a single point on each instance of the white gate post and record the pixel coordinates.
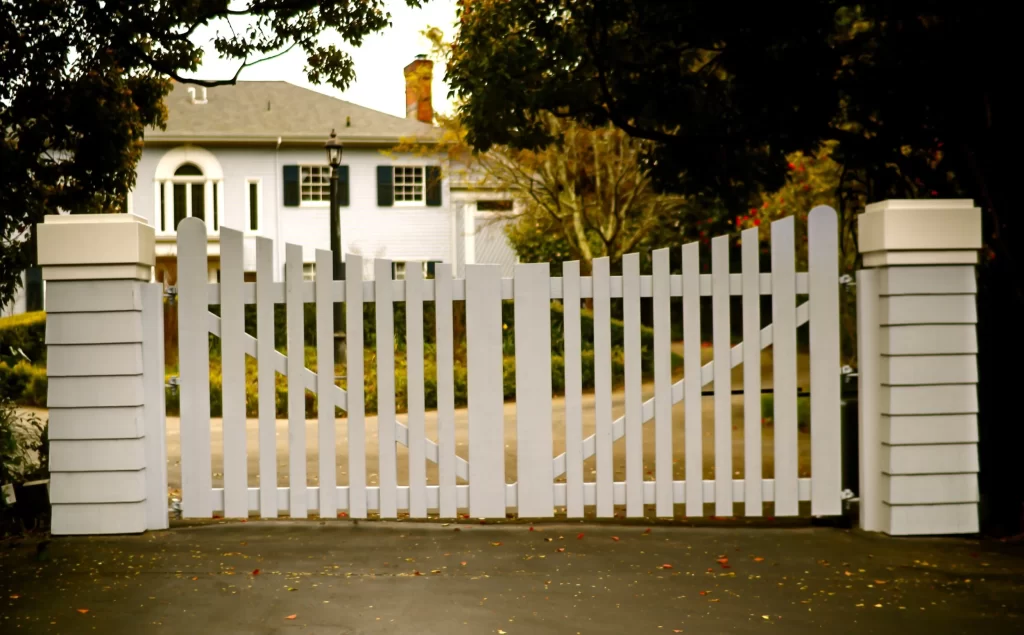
(917, 354)
(104, 336)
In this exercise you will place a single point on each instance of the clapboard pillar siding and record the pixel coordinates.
(104, 337)
(917, 331)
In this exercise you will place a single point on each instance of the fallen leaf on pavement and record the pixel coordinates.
(291, 617)
(615, 538)
(495, 544)
(666, 566)
(703, 592)
(758, 559)
(463, 563)
(548, 539)
(82, 611)
(647, 531)
(723, 560)
(561, 549)
(765, 617)
(15, 597)
(195, 577)
(255, 571)
(880, 581)
(579, 536)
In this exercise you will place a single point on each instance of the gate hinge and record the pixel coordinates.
(173, 382)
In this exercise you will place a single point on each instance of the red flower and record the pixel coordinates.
(757, 222)
(935, 193)
(791, 166)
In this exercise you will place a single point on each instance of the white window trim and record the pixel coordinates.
(260, 220)
(423, 187)
(168, 198)
(324, 203)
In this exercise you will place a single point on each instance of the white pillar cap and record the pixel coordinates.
(916, 232)
(96, 246)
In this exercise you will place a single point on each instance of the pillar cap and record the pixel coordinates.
(913, 232)
(96, 246)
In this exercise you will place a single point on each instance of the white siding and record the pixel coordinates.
(395, 233)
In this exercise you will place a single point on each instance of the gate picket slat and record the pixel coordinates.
(415, 390)
(753, 505)
(664, 506)
(388, 466)
(297, 507)
(532, 311)
(694, 442)
(784, 365)
(445, 350)
(823, 274)
(572, 343)
(486, 400)
(325, 401)
(723, 375)
(266, 376)
(633, 397)
(603, 386)
(194, 366)
(232, 316)
(354, 369)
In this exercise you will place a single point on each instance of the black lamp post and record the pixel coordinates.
(334, 148)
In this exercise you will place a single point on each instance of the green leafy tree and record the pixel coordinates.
(80, 81)
(915, 97)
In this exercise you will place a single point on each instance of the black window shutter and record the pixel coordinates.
(291, 186)
(385, 187)
(433, 186)
(343, 185)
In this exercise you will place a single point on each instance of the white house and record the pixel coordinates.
(251, 156)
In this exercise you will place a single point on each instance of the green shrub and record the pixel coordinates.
(27, 332)
(23, 451)
(23, 383)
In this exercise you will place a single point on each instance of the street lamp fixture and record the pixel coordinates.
(333, 147)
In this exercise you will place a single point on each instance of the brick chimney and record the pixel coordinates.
(418, 76)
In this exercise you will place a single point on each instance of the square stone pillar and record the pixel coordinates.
(104, 337)
(917, 341)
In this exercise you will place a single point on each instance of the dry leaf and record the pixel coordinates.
(647, 531)
(501, 632)
(495, 544)
(765, 617)
(615, 538)
(463, 563)
(195, 577)
(758, 559)
(579, 536)
(703, 592)
(291, 617)
(723, 560)
(15, 597)
(561, 549)
(880, 581)
(548, 539)
(82, 611)
(255, 571)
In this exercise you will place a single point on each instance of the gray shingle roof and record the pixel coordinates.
(261, 110)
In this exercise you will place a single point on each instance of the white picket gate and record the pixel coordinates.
(484, 491)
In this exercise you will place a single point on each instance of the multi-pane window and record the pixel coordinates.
(315, 183)
(189, 193)
(409, 184)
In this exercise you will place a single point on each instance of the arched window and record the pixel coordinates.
(189, 182)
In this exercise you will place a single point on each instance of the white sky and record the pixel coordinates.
(379, 83)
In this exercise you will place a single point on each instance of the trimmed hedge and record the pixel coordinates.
(27, 332)
(24, 384)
